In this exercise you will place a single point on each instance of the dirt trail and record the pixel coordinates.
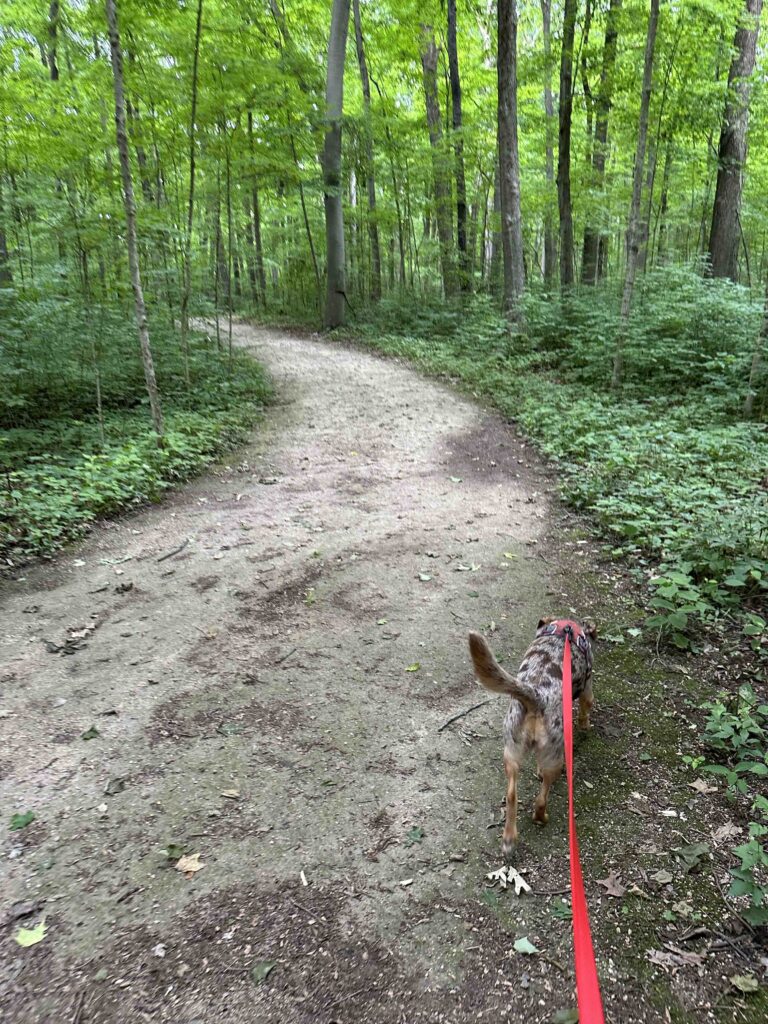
(269, 696)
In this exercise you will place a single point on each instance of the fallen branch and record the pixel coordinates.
(285, 657)
(461, 714)
(170, 554)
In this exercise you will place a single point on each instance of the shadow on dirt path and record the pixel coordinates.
(263, 663)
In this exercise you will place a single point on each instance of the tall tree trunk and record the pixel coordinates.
(336, 295)
(732, 153)
(187, 264)
(370, 174)
(509, 161)
(440, 172)
(458, 147)
(550, 244)
(494, 274)
(634, 230)
(564, 146)
(6, 276)
(757, 361)
(590, 260)
(53, 30)
(661, 247)
(258, 250)
(130, 220)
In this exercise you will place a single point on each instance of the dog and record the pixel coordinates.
(534, 719)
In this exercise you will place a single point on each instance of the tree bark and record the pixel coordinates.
(53, 31)
(590, 260)
(130, 219)
(6, 275)
(370, 173)
(458, 148)
(757, 361)
(187, 264)
(564, 146)
(550, 243)
(509, 161)
(440, 173)
(258, 250)
(336, 295)
(732, 153)
(634, 230)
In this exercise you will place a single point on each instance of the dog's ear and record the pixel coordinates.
(590, 628)
(545, 621)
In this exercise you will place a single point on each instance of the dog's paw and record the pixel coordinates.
(508, 848)
(585, 725)
(540, 816)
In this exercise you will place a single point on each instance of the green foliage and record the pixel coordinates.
(737, 730)
(666, 467)
(56, 474)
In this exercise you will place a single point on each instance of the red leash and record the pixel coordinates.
(587, 985)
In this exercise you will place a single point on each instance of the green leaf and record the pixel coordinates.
(261, 971)
(90, 734)
(566, 1017)
(414, 667)
(525, 946)
(744, 982)
(20, 821)
(31, 936)
(414, 835)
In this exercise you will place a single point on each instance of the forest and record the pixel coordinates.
(558, 210)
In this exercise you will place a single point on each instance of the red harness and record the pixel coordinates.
(587, 985)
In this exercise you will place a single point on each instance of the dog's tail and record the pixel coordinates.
(492, 676)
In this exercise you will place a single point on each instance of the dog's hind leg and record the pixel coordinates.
(586, 700)
(509, 838)
(549, 775)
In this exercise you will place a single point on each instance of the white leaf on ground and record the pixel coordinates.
(508, 875)
(189, 864)
(524, 945)
(31, 936)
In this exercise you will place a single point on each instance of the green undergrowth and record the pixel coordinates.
(57, 475)
(667, 467)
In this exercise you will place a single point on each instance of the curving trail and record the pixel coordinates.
(254, 704)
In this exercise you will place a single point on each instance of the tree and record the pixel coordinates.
(441, 180)
(370, 171)
(187, 257)
(634, 228)
(550, 244)
(130, 218)
(564, 146)
(336, 294)
(458, 145)
(509, 161)
(732, 152)
(593, 237)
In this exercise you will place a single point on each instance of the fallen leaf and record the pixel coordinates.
(159, 950)
(114, 786)
(455, 479)
(744, 982)
(662, 877)
(90, 734)
(673, 958)
(701, 786)
(561, 911)
(174, 851)
(406, 882)
(566, 1017)
(20, 821)
(510, 555)
(424, 577)
(612, 885)
(231, 794)
(189, 864)
(414, 667)
(415, 835)
(692, 854)
(525, 946)
(381, 622)
(725, 832)
(261, 971)
(31, 936)
(508, 875)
